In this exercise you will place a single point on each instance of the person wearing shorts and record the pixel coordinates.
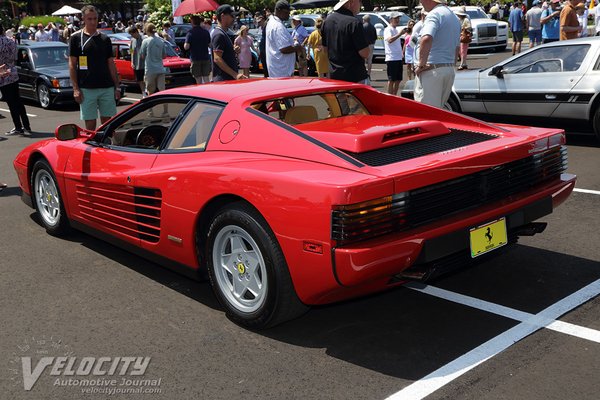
(137, 63)
(197, 42)
(92, 71)
(153, 51)
(394, 53)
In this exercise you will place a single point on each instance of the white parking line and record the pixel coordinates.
(29, 115)
(444, 375)
(130, 99)
(521, 316)
(587, 191)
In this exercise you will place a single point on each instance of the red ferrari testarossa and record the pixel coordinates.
(295, 192)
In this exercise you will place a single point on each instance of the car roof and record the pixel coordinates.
(33, 44)
(250, 89)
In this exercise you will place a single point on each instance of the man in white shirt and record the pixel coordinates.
(393, 52)
(281, 52)
(41, 35)
(534, 24)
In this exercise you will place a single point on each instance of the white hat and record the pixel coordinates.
(296, 18)
(340, 4)
(394, 14)
(462, 11)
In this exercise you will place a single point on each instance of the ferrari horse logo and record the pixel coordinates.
(488, 234)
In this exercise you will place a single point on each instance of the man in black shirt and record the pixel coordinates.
(225, 66)
(197, 42)
(261, 22)
(347, 46)
(92, 71)
(371, 35)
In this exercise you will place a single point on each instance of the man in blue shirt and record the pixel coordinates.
(515, 20)
(436, 53)
(551, 22)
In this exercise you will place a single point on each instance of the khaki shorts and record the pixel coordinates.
(154, 82)
(200, 68)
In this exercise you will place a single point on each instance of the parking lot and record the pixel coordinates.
(523, 325)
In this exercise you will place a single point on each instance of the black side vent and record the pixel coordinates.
(457, 138)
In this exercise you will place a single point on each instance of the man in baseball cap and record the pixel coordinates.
(225, 66)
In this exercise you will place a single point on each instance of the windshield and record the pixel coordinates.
(50, 57)
(476, 14)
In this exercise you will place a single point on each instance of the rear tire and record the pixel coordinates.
(247, 269)
(47, 199)
(452, 104)
(596, 123)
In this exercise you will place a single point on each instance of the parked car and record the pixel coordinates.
(181, 31)
(43, 69)
(178, 68)
(381, 20)
(126, 36)
(297, 191)
(553, 81)
(487, 32)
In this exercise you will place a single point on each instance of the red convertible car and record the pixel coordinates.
(294, 192)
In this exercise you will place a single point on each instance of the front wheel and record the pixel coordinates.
(47, 199)
(247, 269)
(43, 93)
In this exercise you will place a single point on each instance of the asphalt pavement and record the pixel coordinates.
(523, 325)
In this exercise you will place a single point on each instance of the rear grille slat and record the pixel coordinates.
(456, 139)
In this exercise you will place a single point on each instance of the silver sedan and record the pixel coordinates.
(557, 80)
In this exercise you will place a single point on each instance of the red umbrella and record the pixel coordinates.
(195, 6)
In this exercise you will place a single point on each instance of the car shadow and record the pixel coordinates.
(401, 332)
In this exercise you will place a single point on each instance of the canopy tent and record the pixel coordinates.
(66, 10)
(314, 4)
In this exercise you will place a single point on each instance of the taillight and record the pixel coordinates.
(369, 219)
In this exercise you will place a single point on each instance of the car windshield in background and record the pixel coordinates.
(170, 51)
(477, 14)
(403, 19)
(50, 57)
(304, 109)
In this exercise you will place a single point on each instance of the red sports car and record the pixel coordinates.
(178, 68)
(294, 192)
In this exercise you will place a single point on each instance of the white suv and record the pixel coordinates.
(487, 32)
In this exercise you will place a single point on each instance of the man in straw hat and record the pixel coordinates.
(436, 54)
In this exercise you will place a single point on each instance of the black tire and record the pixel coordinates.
(452, 104)
(47, 199)
(43, 95)
(275, 301)
(596, 123)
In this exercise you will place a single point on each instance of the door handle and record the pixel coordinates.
(550, 97)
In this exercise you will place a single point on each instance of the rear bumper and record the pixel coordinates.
(389, 256)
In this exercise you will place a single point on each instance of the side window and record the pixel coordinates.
(146, 127)
(115, 51)
(376, 20)
(193, 132)
(549, 59)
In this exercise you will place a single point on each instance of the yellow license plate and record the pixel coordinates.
(488, 237)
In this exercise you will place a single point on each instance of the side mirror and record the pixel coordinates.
(497, 71)
(70, 132)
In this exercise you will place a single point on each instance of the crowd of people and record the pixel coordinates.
(341, 45)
